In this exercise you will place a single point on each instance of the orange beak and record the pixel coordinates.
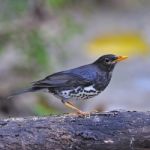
(121, 58)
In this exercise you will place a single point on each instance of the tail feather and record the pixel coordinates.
(31, 89)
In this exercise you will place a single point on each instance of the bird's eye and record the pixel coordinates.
(107, 60)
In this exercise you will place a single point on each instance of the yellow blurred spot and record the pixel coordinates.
(126, 44)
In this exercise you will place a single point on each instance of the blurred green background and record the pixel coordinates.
(40, 37)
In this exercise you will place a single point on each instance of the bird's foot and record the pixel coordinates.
(79, 114)
(83, 114)
(72, 114)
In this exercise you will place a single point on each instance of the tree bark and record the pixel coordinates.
(108, 131)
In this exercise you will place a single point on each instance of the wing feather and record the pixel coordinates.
(61, 80)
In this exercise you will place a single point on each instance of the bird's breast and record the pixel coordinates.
(102, 81)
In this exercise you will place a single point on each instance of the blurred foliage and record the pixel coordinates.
(12, 8)
(42, 108)
(31, 42)
(69, 29)
(17, 5)
(37, 50)
(126, 44)
(33, 49)
(57, 3)
(3, 41)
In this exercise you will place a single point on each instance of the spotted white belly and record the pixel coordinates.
(79, 93)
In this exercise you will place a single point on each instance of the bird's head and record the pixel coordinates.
(108, 62)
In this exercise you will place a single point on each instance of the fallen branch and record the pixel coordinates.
(110, 131)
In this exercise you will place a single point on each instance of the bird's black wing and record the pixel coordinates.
(96, 75)
(88, 72)
(62, 79)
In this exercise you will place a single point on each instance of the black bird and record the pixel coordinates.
(79, 83)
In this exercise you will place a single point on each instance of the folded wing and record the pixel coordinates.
(62, 79)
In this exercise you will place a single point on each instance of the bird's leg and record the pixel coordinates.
(70, 105)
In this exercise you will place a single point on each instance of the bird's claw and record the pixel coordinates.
(83, 114)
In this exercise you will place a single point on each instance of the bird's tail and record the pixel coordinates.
(30, 89)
